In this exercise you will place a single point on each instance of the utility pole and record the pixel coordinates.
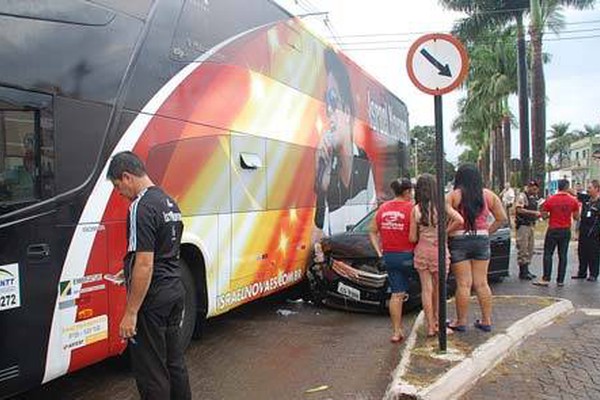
(415, 142)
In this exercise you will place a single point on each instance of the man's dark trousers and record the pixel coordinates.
(589, 256)
(556, 238)
(157, 355)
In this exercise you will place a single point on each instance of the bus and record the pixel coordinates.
(266, 136)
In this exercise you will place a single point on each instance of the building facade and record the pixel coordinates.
(584, 167)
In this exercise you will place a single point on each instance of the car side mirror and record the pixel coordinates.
(349, 227)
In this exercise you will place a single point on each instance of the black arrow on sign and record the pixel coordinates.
(444, 70)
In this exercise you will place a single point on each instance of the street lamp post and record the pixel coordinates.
(415, 142)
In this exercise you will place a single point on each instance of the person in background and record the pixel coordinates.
(470, 245)
(581, 197)
(155, 293)
(526, 215)
(389, 236)
(424, 232)
(588, 247)
(561, 208)
(508, 198)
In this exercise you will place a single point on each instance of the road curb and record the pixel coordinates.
(483, 359)
(396, 386)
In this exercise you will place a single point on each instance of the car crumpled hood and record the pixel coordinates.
(354, 248)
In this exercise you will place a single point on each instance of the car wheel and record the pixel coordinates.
(190, 305)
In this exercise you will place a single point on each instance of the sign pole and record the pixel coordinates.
(437, 63)
(441, 212)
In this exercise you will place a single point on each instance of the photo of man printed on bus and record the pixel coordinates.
(343, 171)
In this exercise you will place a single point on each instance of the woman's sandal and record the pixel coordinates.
(456, 328)
(485, 328)
(397, 338)
(437, 332)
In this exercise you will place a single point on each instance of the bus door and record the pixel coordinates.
(28, 246)
(195, 171)
(291, 177)
(252, 256)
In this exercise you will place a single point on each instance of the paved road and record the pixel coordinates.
(276, 349)
(581, 293)
(563, 360)
(273, 349)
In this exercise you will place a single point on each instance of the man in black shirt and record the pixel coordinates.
(588, 248)
(155, 293)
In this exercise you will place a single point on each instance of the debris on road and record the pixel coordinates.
(286, 313)
(318, 389)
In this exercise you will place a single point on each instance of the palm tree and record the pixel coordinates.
(483, 15)
(486, 13)
(558, 144)
(589, 131)
(544, 14)
(483, 112)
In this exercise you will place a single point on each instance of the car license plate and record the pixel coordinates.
(348, 291)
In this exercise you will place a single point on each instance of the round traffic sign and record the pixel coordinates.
(437, 63)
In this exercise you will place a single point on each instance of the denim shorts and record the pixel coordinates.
(398, 266)
(469, 247)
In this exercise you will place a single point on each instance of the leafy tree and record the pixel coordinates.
(469, 155)
(589, 131)
(484, 116)
(558, 145)
(423, 153)
(484, 14)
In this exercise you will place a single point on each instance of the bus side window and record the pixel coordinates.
(26, 148)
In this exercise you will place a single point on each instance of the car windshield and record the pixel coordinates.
(364, 225)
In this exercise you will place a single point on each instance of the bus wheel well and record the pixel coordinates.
(194, 258)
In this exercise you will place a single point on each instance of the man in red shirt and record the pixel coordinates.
(561, 208)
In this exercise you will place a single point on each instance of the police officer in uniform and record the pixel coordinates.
(589, 234)
(526, 215)
(155, 293)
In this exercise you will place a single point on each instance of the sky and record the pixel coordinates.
(572, 76)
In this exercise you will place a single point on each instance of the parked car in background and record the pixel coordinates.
(347, 272)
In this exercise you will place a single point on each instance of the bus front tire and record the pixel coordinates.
(190, 312)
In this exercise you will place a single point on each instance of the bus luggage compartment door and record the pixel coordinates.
(28, 278)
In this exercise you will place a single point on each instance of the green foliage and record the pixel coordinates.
(468, 156)
(423, 147)
(558, 145)
(589, 131)
(485, 19)
(492, 78)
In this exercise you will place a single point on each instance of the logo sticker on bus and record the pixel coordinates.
(10, 292)
(85, 332)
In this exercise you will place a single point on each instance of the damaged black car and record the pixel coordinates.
(346, 271)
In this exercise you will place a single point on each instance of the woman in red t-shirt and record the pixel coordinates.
(389, 236)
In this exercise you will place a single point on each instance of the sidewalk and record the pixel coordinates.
(424, 374)
(561, 362)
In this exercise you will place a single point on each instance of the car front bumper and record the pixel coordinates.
(339, 280)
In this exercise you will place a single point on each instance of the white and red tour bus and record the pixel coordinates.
(266, 137)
